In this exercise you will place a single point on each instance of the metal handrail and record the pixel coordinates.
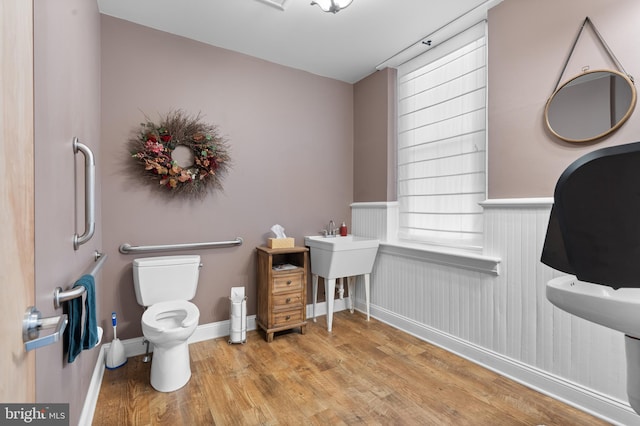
(60, 296)
(89, 194)
(127, 248)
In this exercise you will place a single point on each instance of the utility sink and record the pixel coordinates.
(617, 309)
(338, 257)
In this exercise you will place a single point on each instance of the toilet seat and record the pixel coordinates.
(168, 327)
(158, 317)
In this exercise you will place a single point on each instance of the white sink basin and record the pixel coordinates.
(338, 257)
(616, 309)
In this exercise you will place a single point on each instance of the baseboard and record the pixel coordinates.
(91, 400)
(321, 308)
(602, 406)
(599, 405)
(137, 346)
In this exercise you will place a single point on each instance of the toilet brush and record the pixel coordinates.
(115, 356)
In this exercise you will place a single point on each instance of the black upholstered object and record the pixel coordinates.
(594, 228)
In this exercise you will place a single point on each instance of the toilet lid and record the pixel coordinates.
(154, 319)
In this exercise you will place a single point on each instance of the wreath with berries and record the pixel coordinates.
(206, 162)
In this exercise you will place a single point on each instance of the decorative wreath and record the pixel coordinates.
(153, 146)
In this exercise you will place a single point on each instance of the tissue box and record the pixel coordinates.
(281, 242)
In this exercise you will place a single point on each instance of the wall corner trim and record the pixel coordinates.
(374, 205)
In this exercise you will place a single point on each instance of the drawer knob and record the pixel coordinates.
(288, 300)
(289, 282)
(288, 317)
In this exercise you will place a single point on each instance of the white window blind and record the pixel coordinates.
(442, 142)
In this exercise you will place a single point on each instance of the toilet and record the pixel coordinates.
(164, 285)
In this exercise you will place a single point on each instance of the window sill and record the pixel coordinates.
(442, 256)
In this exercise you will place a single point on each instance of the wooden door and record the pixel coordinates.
(17, 240)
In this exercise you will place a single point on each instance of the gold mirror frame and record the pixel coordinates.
(572, 82)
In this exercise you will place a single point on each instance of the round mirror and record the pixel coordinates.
(590, 105)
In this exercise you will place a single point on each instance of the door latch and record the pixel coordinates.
(33, 323)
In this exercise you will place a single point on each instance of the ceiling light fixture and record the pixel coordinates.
(332, 6)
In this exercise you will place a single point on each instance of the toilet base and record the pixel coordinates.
(170, 367)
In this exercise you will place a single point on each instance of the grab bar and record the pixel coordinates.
(60, 296)
(89, 194)
(128, 248)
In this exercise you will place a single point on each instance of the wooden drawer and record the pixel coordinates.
(287, 301)
(287, 282)
(282, 289)
(287, 317)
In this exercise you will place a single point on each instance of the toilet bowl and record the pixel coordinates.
(168, 326)
(165, 285)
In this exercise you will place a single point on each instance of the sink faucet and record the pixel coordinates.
(331, 229)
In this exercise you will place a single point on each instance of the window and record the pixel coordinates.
(442, 100)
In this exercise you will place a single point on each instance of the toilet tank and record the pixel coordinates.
(165, 278)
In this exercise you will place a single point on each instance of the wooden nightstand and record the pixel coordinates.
(282, 289)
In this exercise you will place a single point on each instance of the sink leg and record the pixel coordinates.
(314, 289)
(366, 292)
(352, 291)
(329, 290)
(340, 288)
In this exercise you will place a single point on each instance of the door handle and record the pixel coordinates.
(33, 323)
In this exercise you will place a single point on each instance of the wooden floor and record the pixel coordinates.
(362, 373)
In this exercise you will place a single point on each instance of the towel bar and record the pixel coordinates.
(60, 296)
(128, 248)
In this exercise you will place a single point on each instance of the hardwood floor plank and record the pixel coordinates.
(363, 373)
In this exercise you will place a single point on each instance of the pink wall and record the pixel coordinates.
(291, 138)
(374, 137)
(67, 104)
(528, 45)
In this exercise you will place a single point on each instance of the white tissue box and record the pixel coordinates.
(281, 242)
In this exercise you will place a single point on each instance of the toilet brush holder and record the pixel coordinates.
(116, 355)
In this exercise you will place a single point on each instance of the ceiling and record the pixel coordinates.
(345, 46)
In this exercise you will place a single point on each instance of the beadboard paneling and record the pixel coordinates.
(374, 220)
(507, 315)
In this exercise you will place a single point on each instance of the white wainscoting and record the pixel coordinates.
(503, 322)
